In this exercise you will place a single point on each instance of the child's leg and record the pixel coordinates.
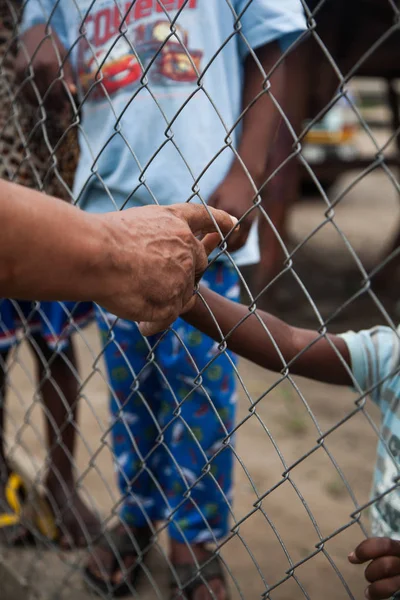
(59, 389)
(134, 431)
(195, 437)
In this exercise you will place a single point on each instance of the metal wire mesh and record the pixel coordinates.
(303, 452)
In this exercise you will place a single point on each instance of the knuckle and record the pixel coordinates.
(188, 265)
(174, 210)
(201, 261)
(186, 234)
(168, 314)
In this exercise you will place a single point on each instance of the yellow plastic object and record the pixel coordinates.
(44, 521)
(15, 486)
(42, 517)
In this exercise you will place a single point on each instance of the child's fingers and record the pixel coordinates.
(374, 548)
(383, 567)
(352, 557)
(383, 589)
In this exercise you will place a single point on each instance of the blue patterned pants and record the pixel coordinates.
(173, 407)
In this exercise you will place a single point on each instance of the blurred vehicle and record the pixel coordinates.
(115, 68)
(330, 143)
(172, 55)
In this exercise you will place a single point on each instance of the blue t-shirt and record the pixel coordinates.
(375, 363)
(150, 132)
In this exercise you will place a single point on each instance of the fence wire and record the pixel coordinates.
(121, 104)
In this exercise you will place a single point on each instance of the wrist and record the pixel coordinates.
(196, 312)
(251, 169)
(105, 260)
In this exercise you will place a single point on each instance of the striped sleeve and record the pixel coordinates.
(375, 357)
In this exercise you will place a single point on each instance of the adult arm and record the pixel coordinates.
(140, 263)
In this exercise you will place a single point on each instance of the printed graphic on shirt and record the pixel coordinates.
(387, 509)
(123, 49)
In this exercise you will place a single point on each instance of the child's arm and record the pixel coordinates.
(260, 122)
(258, 337)
(43, 57)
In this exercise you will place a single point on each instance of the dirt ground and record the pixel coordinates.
(296, 521)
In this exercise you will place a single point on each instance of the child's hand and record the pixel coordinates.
(383, 572)
(235, 196)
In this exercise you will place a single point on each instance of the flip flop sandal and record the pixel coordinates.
(28, 510)
(190, 579)
(123, 545)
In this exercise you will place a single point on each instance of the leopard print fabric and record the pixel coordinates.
(27, 147)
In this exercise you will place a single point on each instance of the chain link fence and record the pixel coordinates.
(129, 476)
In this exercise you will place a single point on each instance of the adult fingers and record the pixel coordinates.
(201, 257)
(385, 588)
(374, 548)
(210, 242)
(203, 220)
(187, 299)
(382, 568)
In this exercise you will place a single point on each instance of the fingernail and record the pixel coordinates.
(234, 220)
(351, 556)
(366, 593)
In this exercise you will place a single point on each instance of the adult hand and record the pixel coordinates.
(383, 572)
(157, 258)
(52, 72)
(235, 195)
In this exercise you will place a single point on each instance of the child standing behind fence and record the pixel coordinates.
(370, 360)
(26, 158)
(163, 84)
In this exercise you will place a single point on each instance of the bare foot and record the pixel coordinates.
(215, 589)
(79, 525)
